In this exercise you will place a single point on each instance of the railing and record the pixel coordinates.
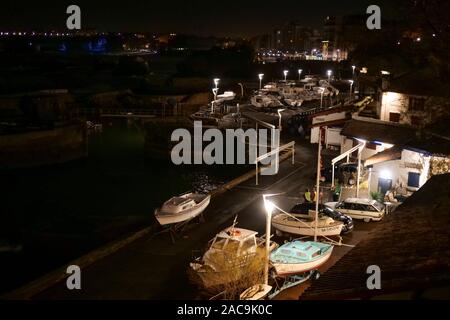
(290, 145)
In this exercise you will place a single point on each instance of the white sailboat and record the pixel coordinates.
(326, 226)
(182, 208)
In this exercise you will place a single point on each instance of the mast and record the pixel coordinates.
(318, 182)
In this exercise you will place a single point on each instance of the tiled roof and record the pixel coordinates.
(410, 246)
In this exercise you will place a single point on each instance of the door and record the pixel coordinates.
(384, 185)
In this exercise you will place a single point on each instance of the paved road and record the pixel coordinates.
(154, 268)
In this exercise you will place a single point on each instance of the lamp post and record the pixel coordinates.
(216, 82)
(329, 72)
(269, 206)
(260, 76)
(285, 72)
(299, 74)
(353, 70)
(279, 118)
(321, 96)
(214, 90)
(242, 89)
(351, 84)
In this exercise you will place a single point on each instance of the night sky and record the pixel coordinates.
(220, 18)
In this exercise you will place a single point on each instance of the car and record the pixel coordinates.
(366, 209)
(305, 207)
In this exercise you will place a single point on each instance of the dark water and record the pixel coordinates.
(50, 215)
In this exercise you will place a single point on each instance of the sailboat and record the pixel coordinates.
(182, 208)
(326, 226)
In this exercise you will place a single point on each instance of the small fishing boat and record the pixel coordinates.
(299, 256)
(182, 208)
(306, 225)
(256, 292)
(228, 255)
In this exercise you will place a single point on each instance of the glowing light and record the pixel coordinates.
(385, 174)
(269, 206)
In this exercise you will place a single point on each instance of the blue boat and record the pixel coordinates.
(297, 257)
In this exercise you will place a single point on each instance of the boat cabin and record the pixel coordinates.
(235, 240)
(297, 250)
(178, 204)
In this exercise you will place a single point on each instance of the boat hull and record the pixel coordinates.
(166, 219)
(287, 269)
(300, 229)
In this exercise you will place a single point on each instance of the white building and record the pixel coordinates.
(397, 158)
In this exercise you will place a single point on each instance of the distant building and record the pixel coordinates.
(294, 37)
(341, 34)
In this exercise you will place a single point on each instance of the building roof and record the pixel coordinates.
(376, 130)
(402, 136)
(421, 82)
(393, 153)
(410, 246)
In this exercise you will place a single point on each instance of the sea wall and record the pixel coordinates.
(43, 147)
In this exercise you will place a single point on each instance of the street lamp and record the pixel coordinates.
(260, 76)
(285, 72)
(321, 96)
(214, 90)
(269, 206)
(279, 118)
(329, 72)
(351, 84)
(216, 82)
(353, 70)
(299, 74)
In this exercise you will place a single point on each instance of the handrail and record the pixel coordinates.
(268, 154)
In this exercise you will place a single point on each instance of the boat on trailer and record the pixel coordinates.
(305, 225)
(182, 208)
(298, 257)
(227, 256)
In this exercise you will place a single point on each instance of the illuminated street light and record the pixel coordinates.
(285, 72)
(329, 72)
(216, 82)
(351, 84)
(299, 74)
(353, 70)
(260, 76)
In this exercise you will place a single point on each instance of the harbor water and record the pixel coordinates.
(53, 214)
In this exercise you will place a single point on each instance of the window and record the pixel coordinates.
(413, 179)
(394, 117)
(416, 104)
